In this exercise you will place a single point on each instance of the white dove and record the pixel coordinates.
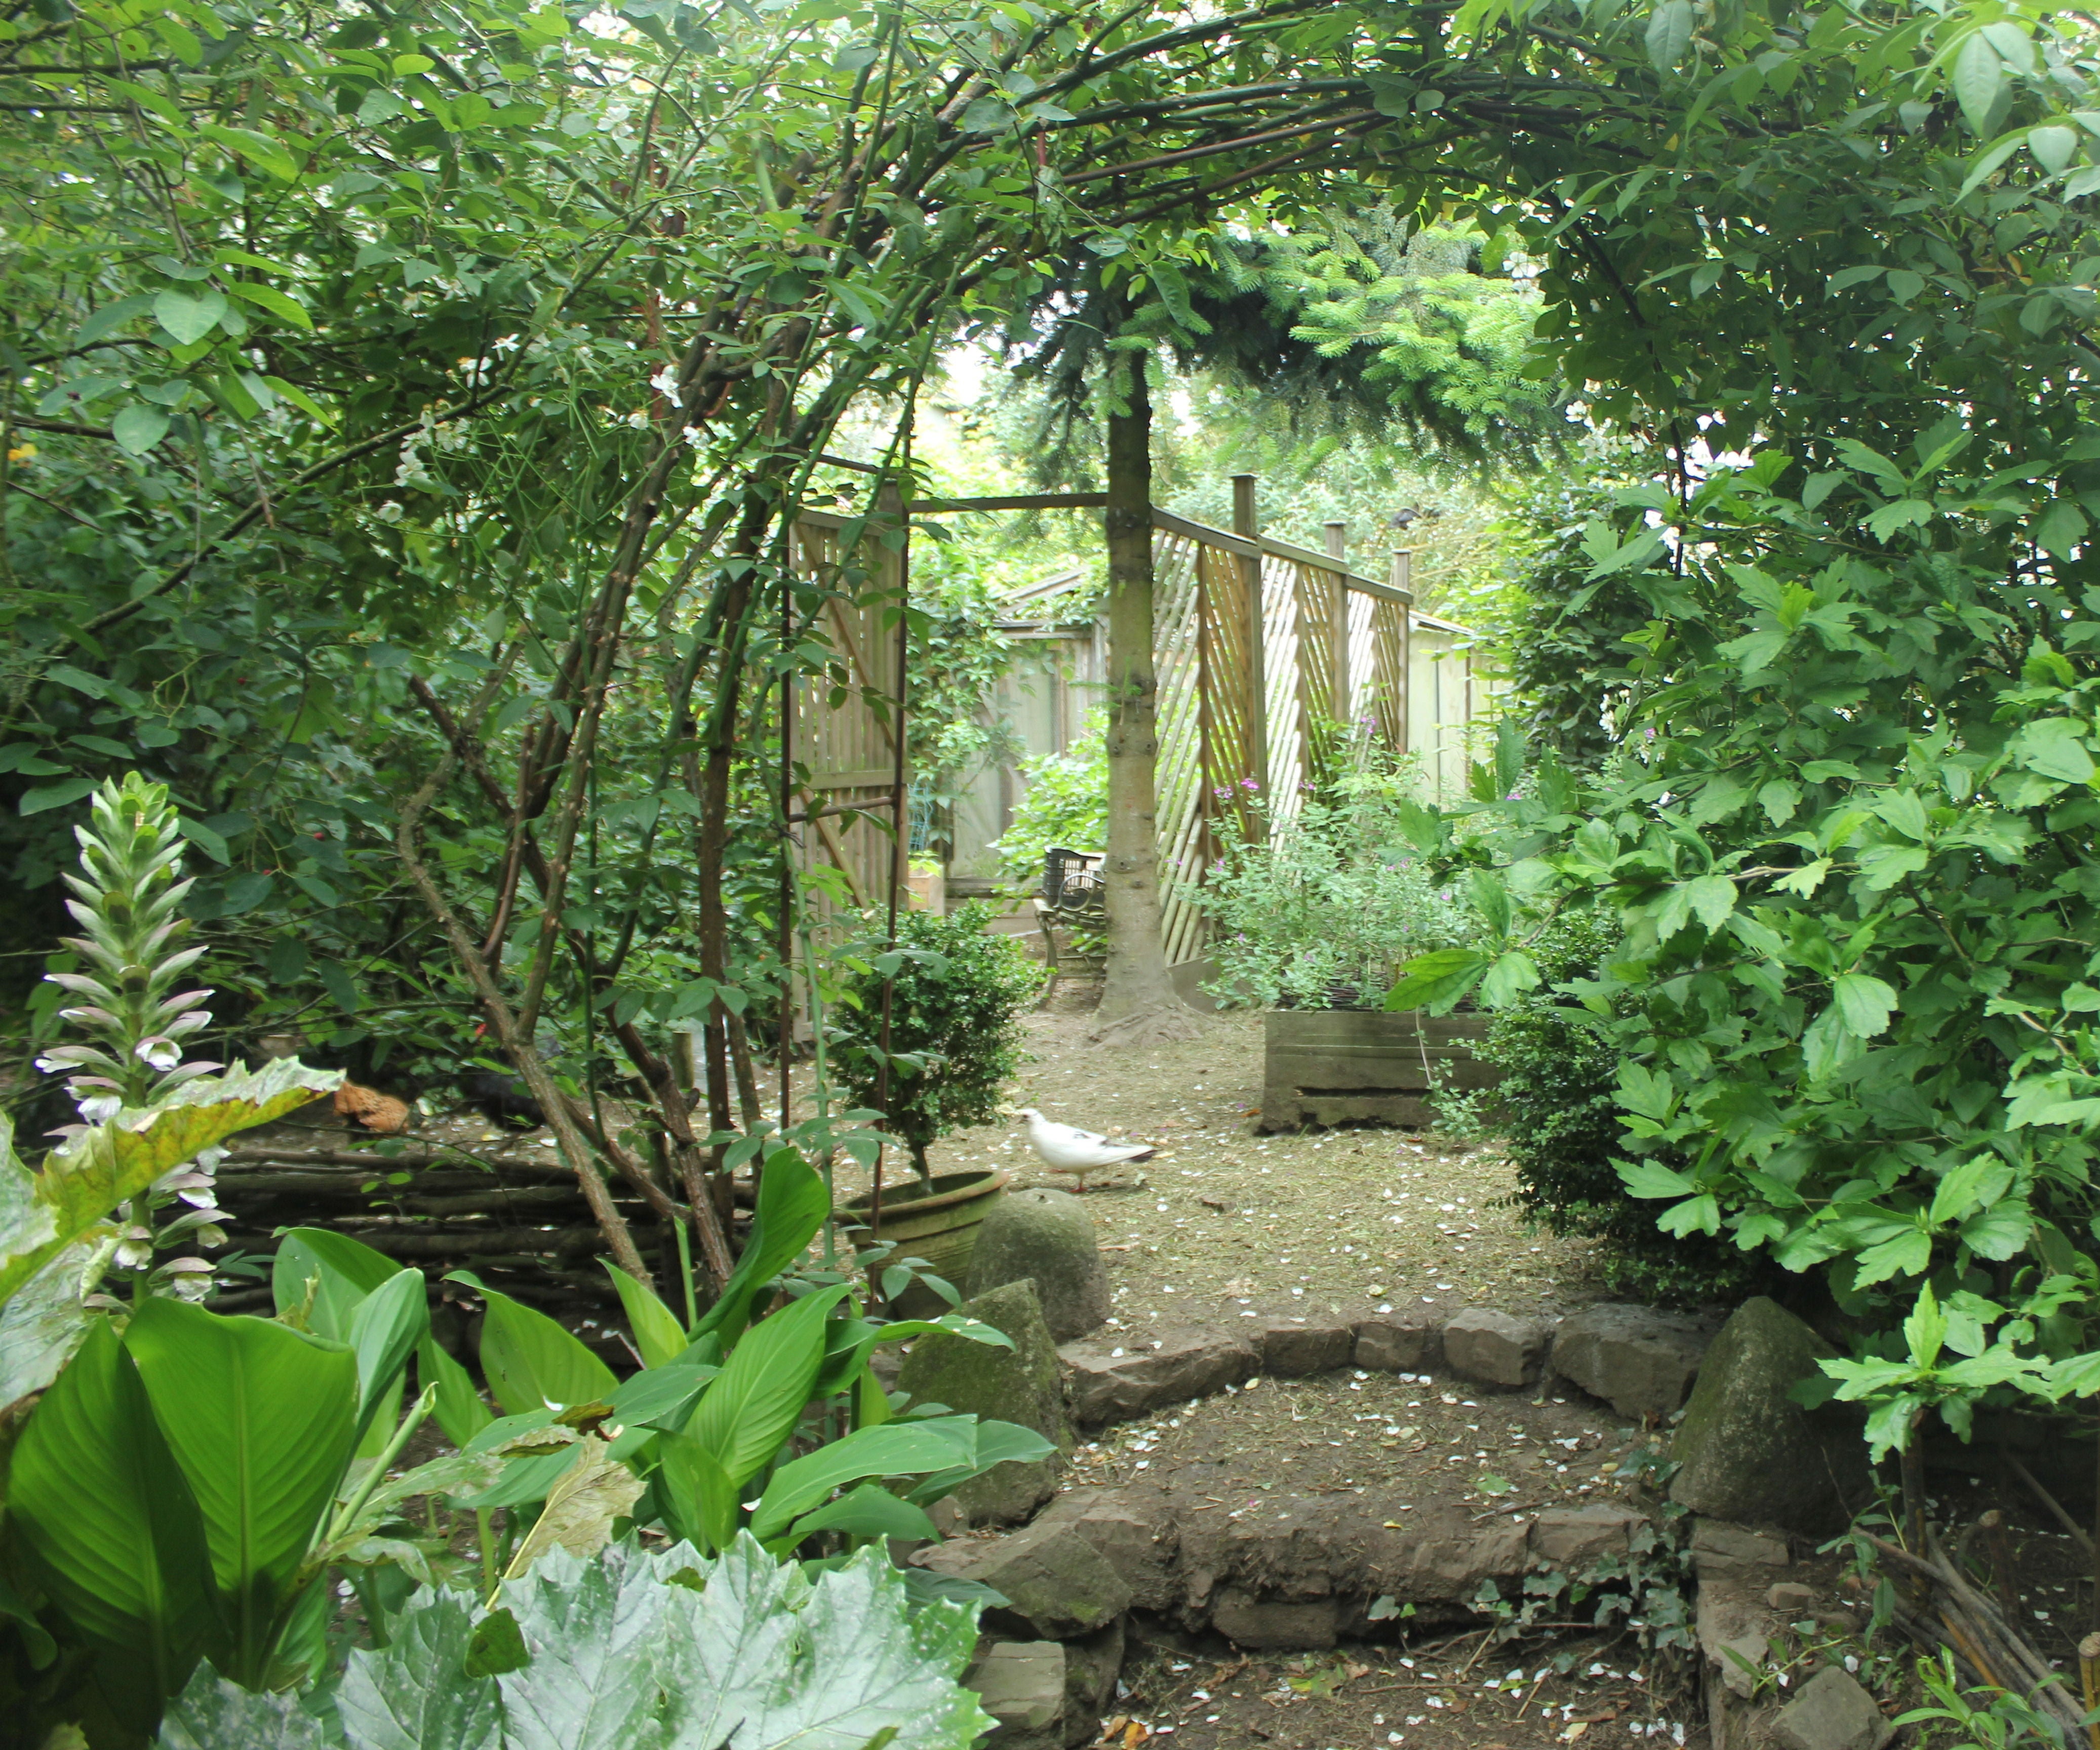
(1066, 1148)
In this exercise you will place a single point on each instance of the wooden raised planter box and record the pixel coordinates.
(1353, 1066)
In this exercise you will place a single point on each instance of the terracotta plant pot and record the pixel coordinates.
(939, 1225)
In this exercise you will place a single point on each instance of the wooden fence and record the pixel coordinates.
(1272, 660)
(1336, 660)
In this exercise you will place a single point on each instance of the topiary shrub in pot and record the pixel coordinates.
(955, 1027)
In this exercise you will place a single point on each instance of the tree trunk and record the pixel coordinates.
(1138, 1001)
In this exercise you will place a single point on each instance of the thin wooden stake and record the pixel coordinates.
(1998, 1551)
(900, 835)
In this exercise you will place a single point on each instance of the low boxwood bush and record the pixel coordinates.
(1555, 1113)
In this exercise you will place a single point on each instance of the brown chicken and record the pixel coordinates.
(368, 1109)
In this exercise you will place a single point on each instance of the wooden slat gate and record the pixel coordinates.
(846, 724)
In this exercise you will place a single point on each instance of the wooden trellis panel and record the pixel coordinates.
(1261, 648)
(1227, 661)
(844, 726)
(1177, 643)
(1322, 601)
(1288, 771)
(1383, 699)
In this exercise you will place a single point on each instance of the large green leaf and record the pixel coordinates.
(659, 1336)
(752, 1657)
(740, 1644)
(873, 1664)
(27, 1228)
(460, 1410)
(531, 1362)
(753, 1405)
(595, 1629)
(338, 1271)
(96, 1498)
(1437, 979)
(896, 1449)
(631, 1651)
(699, 1499)
(83, 1181)
(262, 1419)
(212, 1714)
(43, 1324)
(868, 1511)
(850, 1342)
(792, 1203)
(997, 1442)
(384, 1332)
(661, 1397)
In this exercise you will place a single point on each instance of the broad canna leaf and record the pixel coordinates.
(746, 1416)
(868, 1511)
(659, 1336)
(998, 1443)
(792, 1203)
(850, 1342)
(460, 1410)
(661, 1397)
(329, 1275)
(384, 1332)
(108, 1520)
(530, 1361)
(699, 1501)
(262, 1419)
(896, 1449)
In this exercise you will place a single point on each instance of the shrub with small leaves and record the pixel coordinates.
(954, 1025)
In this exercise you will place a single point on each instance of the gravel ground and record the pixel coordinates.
(1222, 1220)
(1456, 1693)
(1404, 1434)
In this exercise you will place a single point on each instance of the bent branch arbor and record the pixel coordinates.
(1336, 661)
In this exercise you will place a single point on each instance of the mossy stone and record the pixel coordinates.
(1046, 1237)
(1021, 1385)
(1746, 1450)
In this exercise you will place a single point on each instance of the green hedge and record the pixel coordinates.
(1556, 1115)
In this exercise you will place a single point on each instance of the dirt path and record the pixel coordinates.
(1223, 1221)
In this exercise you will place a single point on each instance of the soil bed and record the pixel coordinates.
(1453, 1693)
(1415, 1435)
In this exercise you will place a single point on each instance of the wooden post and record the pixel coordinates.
(1403, 569)
(1247, 525)
(1340, 706)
